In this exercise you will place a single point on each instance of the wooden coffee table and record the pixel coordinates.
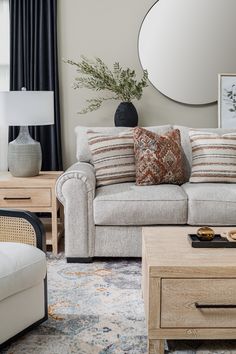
(189, 293)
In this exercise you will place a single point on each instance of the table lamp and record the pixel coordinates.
(24, 108)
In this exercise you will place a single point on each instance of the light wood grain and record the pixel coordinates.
(41, 191)
(47, 222)
(180, 295)
(25, 197)
(192, 333)
(154, 303)
(170, 254)
(44, 179)
(175, 276)
(156, 346)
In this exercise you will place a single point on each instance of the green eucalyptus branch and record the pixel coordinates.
(97, 76)
(95, 103)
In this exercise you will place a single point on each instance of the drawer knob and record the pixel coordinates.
(214, 306)
(17, 198)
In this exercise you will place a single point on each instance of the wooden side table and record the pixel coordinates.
(36, 194)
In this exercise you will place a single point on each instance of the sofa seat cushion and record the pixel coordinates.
(211, 203)
(128, 204)
(21, 267)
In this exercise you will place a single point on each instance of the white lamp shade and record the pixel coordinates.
(23, 108)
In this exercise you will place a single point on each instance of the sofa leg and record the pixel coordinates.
(79, 259)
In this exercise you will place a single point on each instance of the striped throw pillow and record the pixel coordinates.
(113, 157)
(213, 157)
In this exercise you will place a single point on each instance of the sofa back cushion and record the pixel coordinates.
(83, 152)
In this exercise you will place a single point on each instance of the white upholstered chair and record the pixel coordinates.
(23, 284)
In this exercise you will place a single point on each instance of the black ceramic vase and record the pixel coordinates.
(126, 115)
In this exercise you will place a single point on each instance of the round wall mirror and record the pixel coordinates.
(184, 44)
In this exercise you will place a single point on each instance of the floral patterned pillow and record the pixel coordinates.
(158, 158)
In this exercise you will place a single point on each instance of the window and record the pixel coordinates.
(4, 45)
(4, 74)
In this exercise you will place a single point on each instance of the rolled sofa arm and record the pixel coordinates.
(76, 190)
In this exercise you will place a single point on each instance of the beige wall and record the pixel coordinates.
(109, 29)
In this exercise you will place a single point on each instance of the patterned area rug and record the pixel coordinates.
(97, 308)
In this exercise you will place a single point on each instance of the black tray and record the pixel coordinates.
(217, 242)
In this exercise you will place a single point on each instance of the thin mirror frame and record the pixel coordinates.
(212, 102)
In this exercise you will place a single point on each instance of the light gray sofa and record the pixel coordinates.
(107, 221)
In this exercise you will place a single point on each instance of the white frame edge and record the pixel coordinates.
(219, 96)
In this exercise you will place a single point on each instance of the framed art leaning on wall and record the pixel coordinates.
(227, 100)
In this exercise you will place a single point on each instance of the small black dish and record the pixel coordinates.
(217, 242)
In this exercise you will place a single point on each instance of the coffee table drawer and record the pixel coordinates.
(30, 197)
(198, 303)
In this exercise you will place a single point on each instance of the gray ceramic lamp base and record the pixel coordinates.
(24, 155)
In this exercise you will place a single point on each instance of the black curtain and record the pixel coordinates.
(34, 65)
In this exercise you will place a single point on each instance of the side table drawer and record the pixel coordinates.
(198, 303)
(20, 197)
